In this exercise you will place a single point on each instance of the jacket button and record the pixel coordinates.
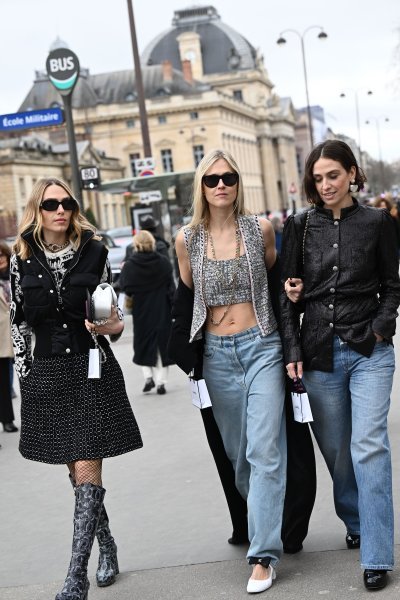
(336, 245)
(331, 325)
(332, 290)
(336, 222)
(40, 276)
(51, 291)
(28, 261)
(67, 350)
(331, 306)
(65, 325)
(335, 268)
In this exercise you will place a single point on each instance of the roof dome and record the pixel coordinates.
(58, 43)
(223, 49)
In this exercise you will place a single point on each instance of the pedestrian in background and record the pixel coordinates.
(340, 259)
(67, 417)
(147, 278)
(223, 256)
(387, 203)
(149, 224)
(6, 350)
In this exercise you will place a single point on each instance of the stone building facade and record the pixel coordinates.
(205, 87)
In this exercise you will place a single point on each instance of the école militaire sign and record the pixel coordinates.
(32, 118)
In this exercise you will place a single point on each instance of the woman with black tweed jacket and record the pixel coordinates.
(67, 417)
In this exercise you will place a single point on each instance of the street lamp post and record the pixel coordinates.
(139, 85)
(322, 36)
(355, 92)
(378, 135)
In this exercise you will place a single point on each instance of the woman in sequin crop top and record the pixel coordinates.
(67, 417)
(224, 256)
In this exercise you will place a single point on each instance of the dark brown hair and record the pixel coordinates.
(335, 150)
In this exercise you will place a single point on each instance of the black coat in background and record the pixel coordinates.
(147, 277)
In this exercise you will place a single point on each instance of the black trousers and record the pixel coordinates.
(300, 486)
(6, 407)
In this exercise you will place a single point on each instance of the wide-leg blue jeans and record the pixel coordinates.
(245, 378)
(350, 407)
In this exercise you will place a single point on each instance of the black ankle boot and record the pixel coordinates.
(9, 427)
(149, 384)
(353, 541)
(375, 579)
(88, 504)
(107, 568)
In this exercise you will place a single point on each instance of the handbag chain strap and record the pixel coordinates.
(304, 234)
(98, 347)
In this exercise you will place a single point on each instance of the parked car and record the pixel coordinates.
(122, 236)
(116, 255)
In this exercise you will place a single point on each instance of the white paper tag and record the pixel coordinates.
(301, 408)
(94, 370)
(199, 393)
(121, 300)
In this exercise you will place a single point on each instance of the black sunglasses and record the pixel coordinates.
(51, 205)
(229, 179)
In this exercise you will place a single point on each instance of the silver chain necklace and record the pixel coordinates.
(220, 274)
(55, 247)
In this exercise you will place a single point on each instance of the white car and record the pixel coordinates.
(122, 236)
(116, 255)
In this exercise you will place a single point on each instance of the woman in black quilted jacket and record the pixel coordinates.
(340, 260)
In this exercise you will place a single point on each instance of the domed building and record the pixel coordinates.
(205, 87)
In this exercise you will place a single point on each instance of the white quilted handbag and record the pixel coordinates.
(103, 299)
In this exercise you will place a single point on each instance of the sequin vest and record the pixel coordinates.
(253, 243)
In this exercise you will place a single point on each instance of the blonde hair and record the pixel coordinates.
(32, 218)
(200, 209)
(144, 241)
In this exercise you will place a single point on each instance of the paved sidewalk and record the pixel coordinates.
(168, 516)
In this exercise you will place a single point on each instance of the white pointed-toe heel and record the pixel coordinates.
(255, 586)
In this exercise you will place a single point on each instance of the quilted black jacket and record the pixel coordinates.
(351, 282)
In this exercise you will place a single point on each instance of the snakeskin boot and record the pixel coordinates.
(88, 503)
(108, 562)
(107, 569)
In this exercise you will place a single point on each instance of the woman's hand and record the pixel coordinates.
(379, 338)
(112, 326)
(295, 370)
(294, 288)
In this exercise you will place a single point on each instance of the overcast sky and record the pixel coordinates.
(359, 54)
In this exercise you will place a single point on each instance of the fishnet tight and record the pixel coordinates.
(86, 471)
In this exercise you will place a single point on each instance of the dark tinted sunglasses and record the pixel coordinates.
(229, 179)
(66, 203)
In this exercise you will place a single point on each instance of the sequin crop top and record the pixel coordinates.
(218, 275)
(253, 278)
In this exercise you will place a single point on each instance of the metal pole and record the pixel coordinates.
(139, 85)
(380, 155)
(310, 125)
(76, 183)
(358, 128)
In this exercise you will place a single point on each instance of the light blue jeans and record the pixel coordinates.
(350, 408)
(245, 378)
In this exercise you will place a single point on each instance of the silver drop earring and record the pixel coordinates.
(353, 187)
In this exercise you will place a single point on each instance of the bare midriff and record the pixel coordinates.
(238, 318)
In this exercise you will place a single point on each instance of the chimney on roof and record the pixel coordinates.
(167, 70)
(187, 71)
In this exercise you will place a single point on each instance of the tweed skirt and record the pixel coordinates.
(65, 416)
